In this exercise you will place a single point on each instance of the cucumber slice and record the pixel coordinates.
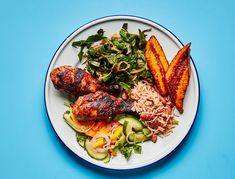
(131, 124)
(93, 153)
(107, 159)
(81, 138)
(137, 137)
(146, 132)
(81, 143)
(70, 122)
(120, 141)
(66, 115)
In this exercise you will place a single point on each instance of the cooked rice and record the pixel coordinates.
(155, 111)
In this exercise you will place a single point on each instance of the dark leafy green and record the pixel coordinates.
(125, 86)
(119, 60)
(87, 43)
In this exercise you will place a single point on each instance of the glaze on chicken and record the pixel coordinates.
(76, 82)
(99, 106)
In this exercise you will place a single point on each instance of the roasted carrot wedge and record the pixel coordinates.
(178, 75)
(157, 64)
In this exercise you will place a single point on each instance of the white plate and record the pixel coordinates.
(66, 55)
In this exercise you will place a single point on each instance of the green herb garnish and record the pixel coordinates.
(126, 151)
(81, 138)
(137, 148)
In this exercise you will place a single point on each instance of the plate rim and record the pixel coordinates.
(110, 18)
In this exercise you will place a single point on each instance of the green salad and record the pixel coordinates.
(119, 59)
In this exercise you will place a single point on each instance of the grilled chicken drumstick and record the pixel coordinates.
(99, 106)
(76, 82)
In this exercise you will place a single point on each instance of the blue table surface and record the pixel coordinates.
(31, 31)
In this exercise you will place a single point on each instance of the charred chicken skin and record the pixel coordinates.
(99, 106)
(76, 82)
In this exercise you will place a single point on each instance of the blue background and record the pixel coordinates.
(30, 33)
